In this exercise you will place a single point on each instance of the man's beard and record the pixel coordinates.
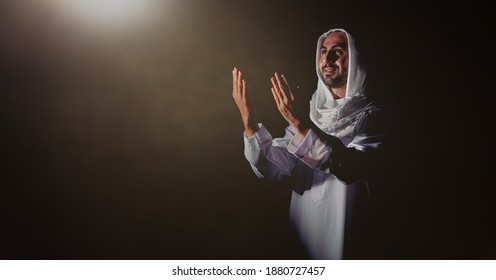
(339, 81)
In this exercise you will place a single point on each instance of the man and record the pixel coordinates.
(330, 159)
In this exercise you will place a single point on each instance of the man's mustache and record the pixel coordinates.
(331, 65)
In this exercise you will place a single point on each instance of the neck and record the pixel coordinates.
(339, 92)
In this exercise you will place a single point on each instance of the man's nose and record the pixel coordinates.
(331, 57)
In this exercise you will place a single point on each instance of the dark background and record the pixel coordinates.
(126, 143)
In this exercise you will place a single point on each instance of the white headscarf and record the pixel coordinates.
(331, 115)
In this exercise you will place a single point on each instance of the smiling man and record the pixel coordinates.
(330, 159)
(333, 63)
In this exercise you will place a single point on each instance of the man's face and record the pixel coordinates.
(333, 62)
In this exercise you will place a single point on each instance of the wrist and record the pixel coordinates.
(301, 128)
(251, 128)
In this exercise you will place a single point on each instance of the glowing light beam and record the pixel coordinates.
(105, 14)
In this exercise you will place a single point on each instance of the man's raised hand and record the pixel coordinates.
(285, 103)
(245, 107)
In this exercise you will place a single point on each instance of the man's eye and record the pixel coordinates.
(339, 52)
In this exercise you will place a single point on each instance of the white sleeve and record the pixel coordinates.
(319, 152)
(311, 150)
(269, 158)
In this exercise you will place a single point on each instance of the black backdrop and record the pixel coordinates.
(127, 144)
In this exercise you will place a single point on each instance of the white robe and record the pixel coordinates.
(321, 211)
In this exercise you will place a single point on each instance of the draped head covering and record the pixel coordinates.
(329, 114)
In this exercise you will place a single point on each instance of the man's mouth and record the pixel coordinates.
(329, 69)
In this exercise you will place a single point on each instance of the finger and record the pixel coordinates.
(235, 79)
(277, 90)
(273, 81)
(279, 84)
(244, 89)
(240, 78)
(278, 81)
(289, 87)
(276, 96)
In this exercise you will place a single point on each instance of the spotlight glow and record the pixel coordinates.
(106, 13)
